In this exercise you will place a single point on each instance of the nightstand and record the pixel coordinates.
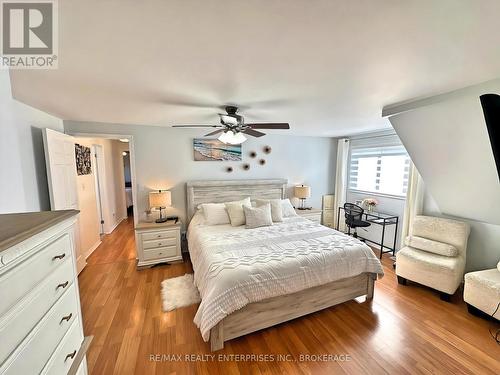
(158, 242)
(314, 214)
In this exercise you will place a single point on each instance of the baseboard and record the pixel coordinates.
(114, 226)
(91, 250)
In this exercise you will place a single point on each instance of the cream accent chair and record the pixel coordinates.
(482, 292)
(434, 254)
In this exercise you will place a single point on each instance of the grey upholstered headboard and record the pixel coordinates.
(215, 191)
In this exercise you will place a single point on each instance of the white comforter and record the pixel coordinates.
(234, 266)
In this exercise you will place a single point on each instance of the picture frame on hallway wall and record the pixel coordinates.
(82, 158)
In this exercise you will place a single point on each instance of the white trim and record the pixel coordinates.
(400, 197)
(116, 224)
(92, 249)
(411, 104)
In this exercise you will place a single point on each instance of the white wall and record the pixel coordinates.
(23, 180)
(448, 142)
(164, 159)
(87, 204)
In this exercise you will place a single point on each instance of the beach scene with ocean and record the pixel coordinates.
(215, 150)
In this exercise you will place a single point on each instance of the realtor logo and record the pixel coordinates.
(29, 34)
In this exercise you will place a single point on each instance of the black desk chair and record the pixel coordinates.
(354, 218)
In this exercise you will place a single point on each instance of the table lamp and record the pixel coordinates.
(302, 192)
(160, 199)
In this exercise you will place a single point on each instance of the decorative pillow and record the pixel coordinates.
(215, 213)
(236, 213)
(431, 246)
(287, 208)
(498, 266)
(258, 216)
(276, 208)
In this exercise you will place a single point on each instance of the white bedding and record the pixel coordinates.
(234, 266)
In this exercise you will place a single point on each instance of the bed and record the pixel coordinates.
(251, 279)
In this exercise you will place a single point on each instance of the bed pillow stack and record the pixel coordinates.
(235, 211)
(216, 213)
(276, 208)
(258, 216)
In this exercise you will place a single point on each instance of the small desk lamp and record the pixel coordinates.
(160, 199)
(302, 192)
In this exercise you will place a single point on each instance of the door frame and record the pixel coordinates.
(131, 148)
(98, 182)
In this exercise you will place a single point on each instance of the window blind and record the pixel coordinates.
(379, 165)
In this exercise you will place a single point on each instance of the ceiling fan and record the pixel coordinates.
(232, 127)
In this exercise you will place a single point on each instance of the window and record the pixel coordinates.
(379, 169)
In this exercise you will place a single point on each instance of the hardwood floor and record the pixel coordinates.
(406, 329)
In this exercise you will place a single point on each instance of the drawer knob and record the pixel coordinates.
(66, 318)
(159, 243)
(158, 236)
(62, 285)
(70, 356)
(59, 256)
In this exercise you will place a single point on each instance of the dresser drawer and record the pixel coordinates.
(35, 351)
(160, 252)
(159, 243)
(65, 354)
(19, 281)
(17, 324)
(159, 235)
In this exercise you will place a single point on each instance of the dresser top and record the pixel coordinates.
(15, 228)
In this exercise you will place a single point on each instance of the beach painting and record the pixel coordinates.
(215, 150)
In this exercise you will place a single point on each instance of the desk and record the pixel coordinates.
(378, 219)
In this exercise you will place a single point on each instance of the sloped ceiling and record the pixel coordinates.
(448, 141)
(327, 67)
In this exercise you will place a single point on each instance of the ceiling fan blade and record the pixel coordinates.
(214, 133)
(275, 125)
(197, 126)
(253, 133)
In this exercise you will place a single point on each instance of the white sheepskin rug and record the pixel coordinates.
(179, 292)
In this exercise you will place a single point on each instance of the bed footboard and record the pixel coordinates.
(272, 311)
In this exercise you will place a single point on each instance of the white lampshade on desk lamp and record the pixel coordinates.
(160, 199)
(302, 192)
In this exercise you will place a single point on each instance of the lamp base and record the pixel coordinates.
(162, 220)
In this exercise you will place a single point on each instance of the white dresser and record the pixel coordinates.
(158, 243)
(41, 326)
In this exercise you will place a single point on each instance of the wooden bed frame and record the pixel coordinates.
(272, 311)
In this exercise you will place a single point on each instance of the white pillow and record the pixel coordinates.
(287, 208)
(431, 246)
(498, 266)
(276, 208)
(215, 213)
(235, 211)
(258, 216)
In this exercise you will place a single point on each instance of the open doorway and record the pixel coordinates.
(106, 194)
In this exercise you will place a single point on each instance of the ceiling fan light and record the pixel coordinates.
(229, 137)
(238, 139)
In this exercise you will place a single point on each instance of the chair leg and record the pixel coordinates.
(473, 310)
(401, 280)
(445, 296)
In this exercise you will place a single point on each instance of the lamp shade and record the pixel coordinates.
(302, 191)
(161, 198)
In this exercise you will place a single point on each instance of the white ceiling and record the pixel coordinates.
(327, 67)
